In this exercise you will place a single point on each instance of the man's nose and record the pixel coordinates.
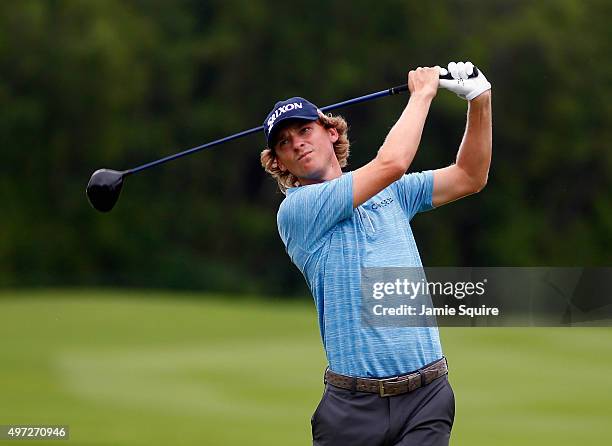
(298, 142)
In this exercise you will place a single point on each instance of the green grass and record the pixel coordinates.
(136, 368)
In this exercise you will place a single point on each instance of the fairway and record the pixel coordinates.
(136, 368)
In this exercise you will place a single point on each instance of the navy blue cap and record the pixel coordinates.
(292, 108)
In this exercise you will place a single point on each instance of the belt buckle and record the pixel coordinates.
(381, 386)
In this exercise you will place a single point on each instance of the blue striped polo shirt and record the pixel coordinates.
(330, 242)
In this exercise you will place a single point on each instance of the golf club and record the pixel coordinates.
(105, 185)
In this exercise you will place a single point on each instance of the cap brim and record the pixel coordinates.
(277, 126)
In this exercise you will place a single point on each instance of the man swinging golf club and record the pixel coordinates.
(384, 385)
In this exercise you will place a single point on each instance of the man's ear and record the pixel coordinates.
(333, 134)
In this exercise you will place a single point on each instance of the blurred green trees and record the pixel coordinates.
(86, 84)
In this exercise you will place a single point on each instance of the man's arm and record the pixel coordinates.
(397, 152)
(469, 174)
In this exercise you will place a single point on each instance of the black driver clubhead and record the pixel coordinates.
(104, 188)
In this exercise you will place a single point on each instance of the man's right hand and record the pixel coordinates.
(424, 81)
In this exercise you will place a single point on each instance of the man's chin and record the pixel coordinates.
(311, 177)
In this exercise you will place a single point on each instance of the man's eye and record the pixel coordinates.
(305, 129)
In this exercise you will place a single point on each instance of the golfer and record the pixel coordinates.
(384, 385)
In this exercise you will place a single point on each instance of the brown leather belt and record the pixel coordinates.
(390, 386)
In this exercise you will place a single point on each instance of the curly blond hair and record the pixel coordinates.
(286, 179)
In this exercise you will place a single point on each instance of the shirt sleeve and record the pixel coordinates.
(308, 213)
(415, 192)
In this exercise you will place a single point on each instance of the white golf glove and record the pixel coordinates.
(461, 84)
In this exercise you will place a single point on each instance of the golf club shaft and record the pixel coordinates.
(368, 97)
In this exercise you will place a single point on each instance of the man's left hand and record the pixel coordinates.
(461, 85)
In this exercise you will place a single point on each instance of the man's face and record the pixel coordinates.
(306, 149)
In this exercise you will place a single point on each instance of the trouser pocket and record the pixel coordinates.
(317, 411)
(452, 400)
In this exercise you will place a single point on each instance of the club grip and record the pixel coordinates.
(404, 87)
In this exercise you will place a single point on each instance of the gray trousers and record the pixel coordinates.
(423, 417)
